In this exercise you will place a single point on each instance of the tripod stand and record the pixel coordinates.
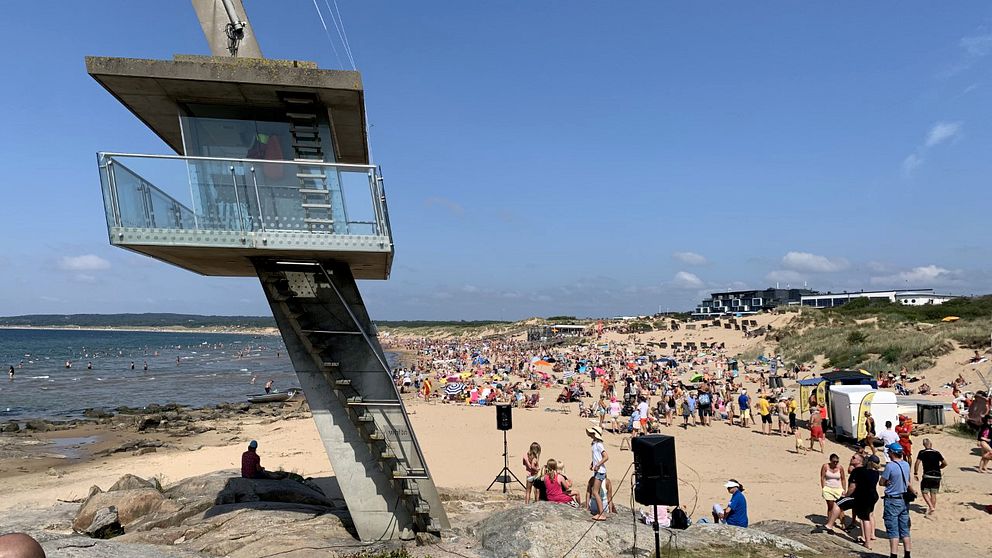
(504, 475)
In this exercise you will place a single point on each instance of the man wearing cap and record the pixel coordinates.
(598, 468)
(895, 479)
(251, 463)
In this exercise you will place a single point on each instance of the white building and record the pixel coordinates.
(913, 297)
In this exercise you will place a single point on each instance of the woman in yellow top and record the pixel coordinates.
(833, 483)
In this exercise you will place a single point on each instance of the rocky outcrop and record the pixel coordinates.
(132, 506)
(546, 530)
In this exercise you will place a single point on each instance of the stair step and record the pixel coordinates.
(407, 476)
(366, 417)
(387, 454)
(298, 100)
(342, 383)
(313, 191)
(411, 491)
(318, 221)
(433, 526)
(315, 205)
(309, 176)
(360, 402)
(301, 116)
(328, 364)
(422, 508)
(330, 332)
(377, 436)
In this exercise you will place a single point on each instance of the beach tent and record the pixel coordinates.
(669, 361)
(697, 377)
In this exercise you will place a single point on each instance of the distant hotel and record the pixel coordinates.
(751, 302)
(748, 302)
(915, 297)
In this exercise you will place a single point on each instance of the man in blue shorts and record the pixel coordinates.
(895, 479)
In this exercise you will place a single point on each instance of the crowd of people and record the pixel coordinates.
(634, 393)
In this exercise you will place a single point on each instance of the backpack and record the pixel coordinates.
(680, 520)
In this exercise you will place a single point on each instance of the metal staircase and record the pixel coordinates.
(358, 410)
(315, 196)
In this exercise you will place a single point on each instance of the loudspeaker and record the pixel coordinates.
(504, 417)
(654, 466)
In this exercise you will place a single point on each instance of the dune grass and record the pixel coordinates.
(884, 341)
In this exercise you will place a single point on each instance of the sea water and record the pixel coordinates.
(212, 368)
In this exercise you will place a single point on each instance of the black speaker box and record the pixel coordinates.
(654, 466)
(504, 417)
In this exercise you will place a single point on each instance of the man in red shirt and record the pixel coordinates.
(904, 429)
(251, 463)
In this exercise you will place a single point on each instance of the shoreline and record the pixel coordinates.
(168, 329)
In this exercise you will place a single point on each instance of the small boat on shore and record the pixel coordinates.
(274, 397)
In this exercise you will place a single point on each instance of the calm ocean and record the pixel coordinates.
(213, 368)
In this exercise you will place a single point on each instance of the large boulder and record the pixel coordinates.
(131, 505)
(10, 427)
(546, 530)
(131, 482)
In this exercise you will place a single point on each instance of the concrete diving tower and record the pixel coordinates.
(271, 178)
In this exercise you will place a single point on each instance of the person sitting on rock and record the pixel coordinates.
(251, 464)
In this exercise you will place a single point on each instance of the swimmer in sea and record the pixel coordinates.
(11, 372)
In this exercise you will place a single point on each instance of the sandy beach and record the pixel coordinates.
(464, 451)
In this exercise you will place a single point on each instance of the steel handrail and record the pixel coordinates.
(112, 154)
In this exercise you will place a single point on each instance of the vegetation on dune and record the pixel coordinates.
(885, 336)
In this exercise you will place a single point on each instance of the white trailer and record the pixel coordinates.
(849, 403)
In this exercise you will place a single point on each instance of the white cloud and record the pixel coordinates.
(804, 261)
(690, 258)
(941, 132)
(686, 280)
(910, 163)
(977, 45)
(787, 276)
(918, 277)
(86, 262)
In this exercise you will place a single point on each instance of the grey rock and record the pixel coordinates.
(79, 547)
(546, 530)
(106, 524)
(130, 482)
(97, 414)
(38, 425)
(10, 427)
(131, 505)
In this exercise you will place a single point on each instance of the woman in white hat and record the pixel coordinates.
(736, 511)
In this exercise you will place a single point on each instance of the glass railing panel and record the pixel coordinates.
(173, 192)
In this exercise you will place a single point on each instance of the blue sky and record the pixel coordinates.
(546, 158)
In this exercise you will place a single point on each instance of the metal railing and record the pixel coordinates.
(248, 195)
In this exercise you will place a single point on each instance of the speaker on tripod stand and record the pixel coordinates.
(656, 479)
(504, 422)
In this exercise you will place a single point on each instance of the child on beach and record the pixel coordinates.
(533, 467)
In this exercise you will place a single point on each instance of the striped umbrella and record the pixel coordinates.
(454, 388)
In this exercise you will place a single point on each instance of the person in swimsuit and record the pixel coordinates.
(833, 483)
(815, 427)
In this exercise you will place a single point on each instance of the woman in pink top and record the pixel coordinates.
(556, 485)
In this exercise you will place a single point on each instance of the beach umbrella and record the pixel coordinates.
(696, 378)
(541, 363)
(454, 388)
